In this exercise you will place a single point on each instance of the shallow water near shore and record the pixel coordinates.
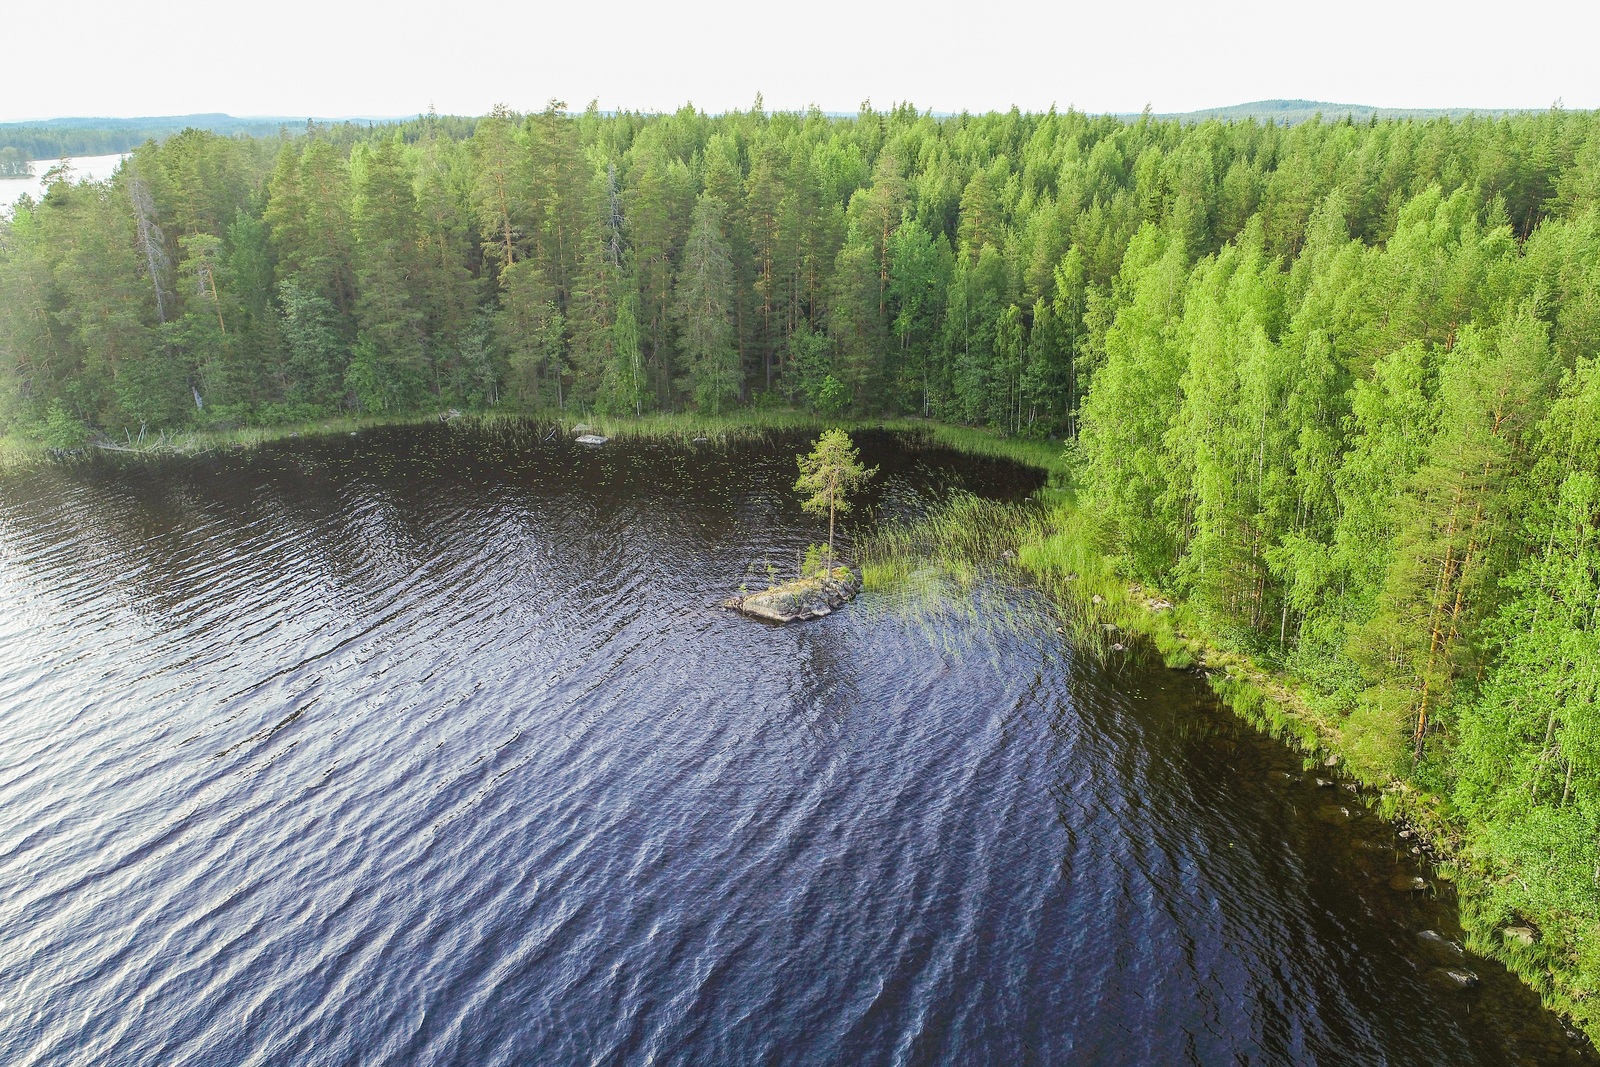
(431, 745)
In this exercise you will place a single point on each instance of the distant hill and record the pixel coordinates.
(1289, 112)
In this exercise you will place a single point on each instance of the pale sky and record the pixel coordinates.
(336, 57)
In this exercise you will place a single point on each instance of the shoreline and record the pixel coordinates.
(1041, 543)
(1048, 548)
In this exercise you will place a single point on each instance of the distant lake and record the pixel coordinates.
(96, 168)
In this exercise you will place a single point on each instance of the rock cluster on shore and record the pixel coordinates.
(803, 598)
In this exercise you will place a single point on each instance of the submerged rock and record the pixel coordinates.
(592, 439)
(1441, 944)
(1460, 979)
(1406, 883)
(803, 598)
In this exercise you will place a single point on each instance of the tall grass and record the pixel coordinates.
(925, 566)
(683, 428)
(17, 451)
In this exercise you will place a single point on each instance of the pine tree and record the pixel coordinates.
(1455, 518)
(830, 473)
(702, 306)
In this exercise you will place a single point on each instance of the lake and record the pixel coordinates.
(430, 745)
(84, 168)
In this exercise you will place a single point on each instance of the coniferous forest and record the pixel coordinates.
(1335, 383)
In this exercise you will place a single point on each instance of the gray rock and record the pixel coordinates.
(1406, 883)
(804, 598)
(1521, 935)
(1459, 979)
(593, 440)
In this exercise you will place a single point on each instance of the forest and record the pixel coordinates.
(54, 139)
(1334, 383)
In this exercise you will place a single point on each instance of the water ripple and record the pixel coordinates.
(429, 747)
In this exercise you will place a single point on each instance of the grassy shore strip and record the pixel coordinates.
(19, 449)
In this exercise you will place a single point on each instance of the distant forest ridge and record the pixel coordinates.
(49, 139)
(98, 136)
(1292, 112)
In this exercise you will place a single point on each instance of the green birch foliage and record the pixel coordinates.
(1529, 743)
(1231, 439)
(1134, 400)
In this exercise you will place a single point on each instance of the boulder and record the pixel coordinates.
(592, 439)
(803, 598)
(1521, 935)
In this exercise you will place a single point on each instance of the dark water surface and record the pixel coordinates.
(427, 747)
